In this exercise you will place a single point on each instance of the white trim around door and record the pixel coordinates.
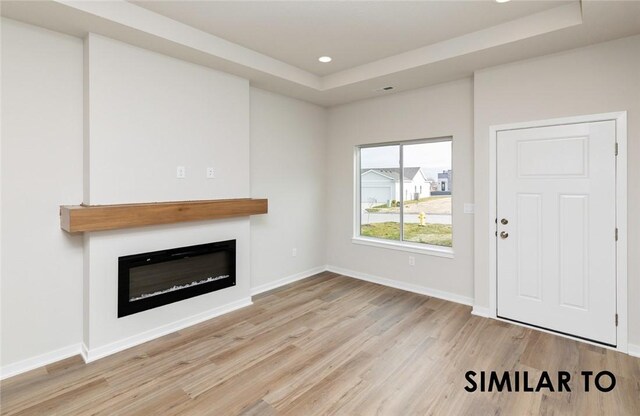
(621, 212)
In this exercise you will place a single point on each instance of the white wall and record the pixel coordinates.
(41, 169)
(597, 79)
(148, 114)
(287, 166)
(440, 110)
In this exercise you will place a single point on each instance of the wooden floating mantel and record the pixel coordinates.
(82, 218)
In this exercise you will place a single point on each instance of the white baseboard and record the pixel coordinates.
(84, 352)
(633, 350)
(481, 311)
(29, 364)
(92, 354)
(409, 287)
(286, 280)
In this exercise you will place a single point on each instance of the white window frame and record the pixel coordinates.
(401, 245)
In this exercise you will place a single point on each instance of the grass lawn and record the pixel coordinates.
(440, 204)
(426, 199)
(436, 234)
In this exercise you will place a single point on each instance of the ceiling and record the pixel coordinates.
(406, 45)
(352, 33)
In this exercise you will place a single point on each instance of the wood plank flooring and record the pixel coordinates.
(328, 345)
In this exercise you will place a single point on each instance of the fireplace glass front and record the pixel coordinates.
(149, 280)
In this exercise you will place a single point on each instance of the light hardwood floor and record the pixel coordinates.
(328, 345)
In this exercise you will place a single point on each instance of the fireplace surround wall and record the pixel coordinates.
(198, 118)
(104, 333)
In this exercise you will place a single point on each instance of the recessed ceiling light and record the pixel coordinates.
(502, 1)
(324, 59)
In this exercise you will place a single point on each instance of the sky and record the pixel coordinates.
(432, 157)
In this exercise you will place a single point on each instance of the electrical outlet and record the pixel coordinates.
(294, 252)
(412, 261)
(181, 172)
(211, 173)
(469, 208)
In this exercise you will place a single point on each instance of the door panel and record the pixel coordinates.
(559, 157)
(574, 249)
(556, 190)
(529, 240)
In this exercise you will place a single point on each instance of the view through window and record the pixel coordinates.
(405, 192)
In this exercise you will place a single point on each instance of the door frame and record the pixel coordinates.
(620, 119)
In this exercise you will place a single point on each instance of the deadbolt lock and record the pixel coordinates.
(504, 235)
(504, 221)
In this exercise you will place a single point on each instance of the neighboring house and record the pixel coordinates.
(445, 182)
(433, 184)
(381, 185)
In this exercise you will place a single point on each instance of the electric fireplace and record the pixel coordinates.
(150, 280)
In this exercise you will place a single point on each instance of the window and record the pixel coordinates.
(404, 194)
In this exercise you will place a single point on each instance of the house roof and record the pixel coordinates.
(394, 173)
(444, 174)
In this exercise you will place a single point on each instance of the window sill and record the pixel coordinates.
(405, 246)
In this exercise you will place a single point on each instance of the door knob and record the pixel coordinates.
(504, 221)
(504, 235)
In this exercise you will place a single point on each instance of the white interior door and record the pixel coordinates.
(556, 213)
